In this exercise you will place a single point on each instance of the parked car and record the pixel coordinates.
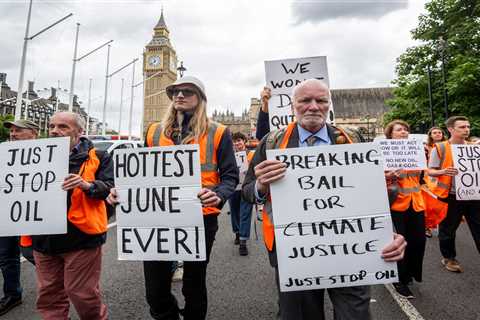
(111, 145)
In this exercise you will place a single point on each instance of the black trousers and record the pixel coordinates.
(158, 283)
(349, 303)
(411, 225)
(448, 227)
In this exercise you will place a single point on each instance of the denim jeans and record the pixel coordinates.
(241, 215)
(10, 265)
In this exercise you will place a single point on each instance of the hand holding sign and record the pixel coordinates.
(450, 171)
(209, 198)
(265, 95)
(112, 198)
(395, 250)
(269, 171)
(72, 181)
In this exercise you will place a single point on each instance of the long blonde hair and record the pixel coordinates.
(198, 125)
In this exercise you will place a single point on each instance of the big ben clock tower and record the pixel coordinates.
(159, 61)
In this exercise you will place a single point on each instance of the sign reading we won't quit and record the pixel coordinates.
(282, 76)
(331, 229)
(31, 194)
(159, 216)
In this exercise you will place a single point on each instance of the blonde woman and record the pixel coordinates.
(186, 122)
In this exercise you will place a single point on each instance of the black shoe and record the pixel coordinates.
(8, 303)
(403, 290)
(243, 250)
(237, 239)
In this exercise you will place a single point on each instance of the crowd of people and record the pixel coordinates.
(68, 266)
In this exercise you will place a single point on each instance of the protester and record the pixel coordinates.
(68, 265)
(263, 126)
(241, 210)
(310, 102)
(442, 183)
(407, 210)
(186, 122)
(9, 246)
(434, 135)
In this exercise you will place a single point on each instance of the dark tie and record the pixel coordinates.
(311, 140)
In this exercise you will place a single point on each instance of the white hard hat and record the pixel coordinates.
(187, 80)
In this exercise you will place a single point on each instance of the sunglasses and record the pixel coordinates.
(187, 93)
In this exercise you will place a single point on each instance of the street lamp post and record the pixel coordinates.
(72, 80)
(18, 112)
(443, 47)
(430, 99)
(131, 102)
(75, 60)
(181, 69)
(106, 92)
(121, 106)
(106, 88)
(89, 105)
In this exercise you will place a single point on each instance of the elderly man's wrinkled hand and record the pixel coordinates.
(269, 171)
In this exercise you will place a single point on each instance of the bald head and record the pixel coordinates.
(310, 82)
(310, 104)
(67, 124)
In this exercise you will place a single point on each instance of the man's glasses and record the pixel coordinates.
(187, 93)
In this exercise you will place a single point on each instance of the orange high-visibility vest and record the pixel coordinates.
(88, 214)
(441, 185)
(209, 143)
(250, 155)
(409, 192)
(279, 140)
(25, 241)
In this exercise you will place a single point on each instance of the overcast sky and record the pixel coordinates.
(223, 42)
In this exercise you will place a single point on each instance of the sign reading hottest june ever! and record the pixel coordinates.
(282, 76)
(332, 227)
(159, 216)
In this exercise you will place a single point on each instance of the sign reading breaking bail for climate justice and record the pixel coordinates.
(405, 154)
(467, 160)
(332, 227)
(31, 178)
(282, 76)
(159, 216)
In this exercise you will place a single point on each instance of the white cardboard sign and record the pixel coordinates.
(242, 165)
(466, 159)
(31, 178)
(405, 154)
(159, 216)
(331, 228)
(282, 76)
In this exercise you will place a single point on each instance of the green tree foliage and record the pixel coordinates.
(4, 132)
(451, 28)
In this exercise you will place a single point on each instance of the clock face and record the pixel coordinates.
(154, 61)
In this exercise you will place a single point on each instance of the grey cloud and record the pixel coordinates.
(322, 10)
